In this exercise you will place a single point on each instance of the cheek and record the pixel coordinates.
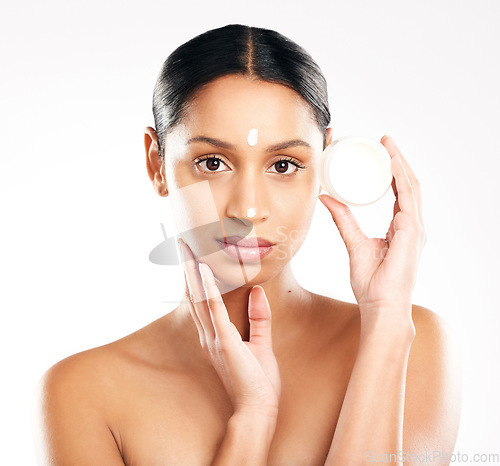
(196, 218)
(297, 204)
(293, 221)
(193, 206)
(176, 174)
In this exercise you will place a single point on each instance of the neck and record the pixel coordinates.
(287, 300)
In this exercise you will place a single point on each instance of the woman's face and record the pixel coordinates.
(244, 162)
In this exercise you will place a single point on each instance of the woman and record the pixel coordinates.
(241, 118)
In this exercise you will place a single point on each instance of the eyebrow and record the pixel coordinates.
(226, 145)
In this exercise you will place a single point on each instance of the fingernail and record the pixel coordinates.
(391, 141)
(322, 199)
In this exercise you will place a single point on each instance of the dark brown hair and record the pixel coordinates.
(236, 49)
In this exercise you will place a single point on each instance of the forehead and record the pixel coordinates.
(233, 104)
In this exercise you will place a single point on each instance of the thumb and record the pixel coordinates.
(347, 225)
(259, 314)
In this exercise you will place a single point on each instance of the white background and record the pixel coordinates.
(79, 216)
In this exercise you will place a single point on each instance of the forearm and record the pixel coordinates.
(247, 440)
(371, 419)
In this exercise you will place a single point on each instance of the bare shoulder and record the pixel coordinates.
(434, 337)
(433, 385)
(434, 363)
(82, 375)
(75, 401)
(90, 376)
(70, 411)
(433, 376)
(89, 372)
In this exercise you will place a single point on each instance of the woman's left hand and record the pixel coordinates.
(383, 271)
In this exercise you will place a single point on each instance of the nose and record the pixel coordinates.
(249, 201)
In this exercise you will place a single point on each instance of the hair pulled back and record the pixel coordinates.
(236, 49)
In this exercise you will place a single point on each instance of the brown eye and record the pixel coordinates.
(212, 164)
(282, 166)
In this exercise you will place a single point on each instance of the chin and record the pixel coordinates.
(231, 274)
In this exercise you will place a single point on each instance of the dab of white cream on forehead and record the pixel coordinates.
(253, 137)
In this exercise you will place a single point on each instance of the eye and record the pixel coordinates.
(212, 163)
(284, 164)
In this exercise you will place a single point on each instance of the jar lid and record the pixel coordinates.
(356, 170)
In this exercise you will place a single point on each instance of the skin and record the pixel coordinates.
(264, 372)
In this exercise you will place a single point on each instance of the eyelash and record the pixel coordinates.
(299, 165)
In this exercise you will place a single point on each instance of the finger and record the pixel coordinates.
(194, 315)
(396, 208)
(389, 143)
(216, 306)
(192, 309)
(405, 195)
(390, 232)
(391, 146)
(343, 217)
(196, 290)
(394, 189)
(259, 315)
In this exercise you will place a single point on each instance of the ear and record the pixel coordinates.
(154, 162)
(329, 137)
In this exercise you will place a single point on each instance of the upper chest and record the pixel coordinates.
(175, 418)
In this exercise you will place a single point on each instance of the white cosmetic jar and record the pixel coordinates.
(355, 170)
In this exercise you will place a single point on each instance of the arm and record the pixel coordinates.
(247, 440)
(68, 420)
(373, 420)
(248, 369)
(419, 391)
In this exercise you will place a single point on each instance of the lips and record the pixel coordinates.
(246, 242)
(244, 249)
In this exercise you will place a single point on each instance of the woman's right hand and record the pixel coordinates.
(248, 369)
